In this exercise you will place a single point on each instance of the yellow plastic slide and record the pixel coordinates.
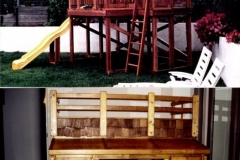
(31, 55)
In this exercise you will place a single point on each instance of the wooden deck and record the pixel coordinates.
(112, 12)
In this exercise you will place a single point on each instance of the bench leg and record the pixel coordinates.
(52, 157)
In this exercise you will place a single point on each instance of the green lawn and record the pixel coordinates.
(81, 73)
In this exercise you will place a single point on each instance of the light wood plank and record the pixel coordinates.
(174, 99)
(123, 108)
(151, 104)
(103, 113)
(53, 104)
(78, 95)
(195, 115)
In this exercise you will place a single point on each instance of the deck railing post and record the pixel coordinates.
(151, 106)
(103, 114)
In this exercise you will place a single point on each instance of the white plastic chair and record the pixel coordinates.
(210, 80)
(214, 74)
(197, 77)
(142, 84)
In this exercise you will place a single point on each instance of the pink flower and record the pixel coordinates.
(213, 25)
(216, 30)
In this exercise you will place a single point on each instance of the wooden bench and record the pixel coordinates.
(154, 137)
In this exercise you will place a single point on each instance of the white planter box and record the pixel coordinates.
(229, 54)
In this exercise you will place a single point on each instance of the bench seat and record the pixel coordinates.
(127, 146)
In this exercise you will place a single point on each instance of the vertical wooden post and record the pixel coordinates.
(51, 53)
(87, 37)
(100, 37)
(78, 4)
(103, 113)
(128, 29)
(95, 4)
(154, 45)
(117, 32)
(195, 107)
(151, 106)
(153, 4)
(106, 3)
(71, 39)
(57, 49)
(69, 4)
(108, 46)
(53, 112)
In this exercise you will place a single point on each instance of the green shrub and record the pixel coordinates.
(57, 12)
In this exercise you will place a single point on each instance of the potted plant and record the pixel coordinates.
(210, 27)
(220, 29)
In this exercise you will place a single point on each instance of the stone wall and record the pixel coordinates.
(27, 16)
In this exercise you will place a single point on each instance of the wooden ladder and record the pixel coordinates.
(133, 41)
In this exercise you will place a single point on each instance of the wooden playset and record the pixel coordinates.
(141, 14)
(103, 137)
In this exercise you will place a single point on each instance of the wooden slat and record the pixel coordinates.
(53, 104)
(178, 103)
(103, 113)
(195, 116)
(127, 97)
(175, 99)
(117, 28)
(122, 108)
(151, 104)
(78, 95)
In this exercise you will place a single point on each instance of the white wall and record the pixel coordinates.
(23, 39)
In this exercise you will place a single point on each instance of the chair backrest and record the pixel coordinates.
(214, 74)
(202, 66)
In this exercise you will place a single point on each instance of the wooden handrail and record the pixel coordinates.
(123, 109)
(178, 99)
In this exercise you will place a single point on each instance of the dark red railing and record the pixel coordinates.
(100, 4)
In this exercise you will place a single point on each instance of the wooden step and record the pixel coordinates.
(136, 54)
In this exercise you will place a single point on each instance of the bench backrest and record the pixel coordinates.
(176, 126)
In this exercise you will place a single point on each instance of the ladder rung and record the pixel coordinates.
(135, 54)
(134, 65)
(136, 43)
(138, 21)
(137, 32)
